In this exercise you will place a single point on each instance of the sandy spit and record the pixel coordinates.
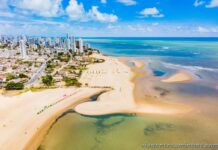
(24, 119)
(115, 74)
(178, 77)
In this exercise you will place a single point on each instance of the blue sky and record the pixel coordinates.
(109, 17)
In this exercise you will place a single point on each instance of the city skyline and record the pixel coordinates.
(64, 44)
(115, 18)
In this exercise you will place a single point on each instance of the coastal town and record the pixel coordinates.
(108, 74)
(40, 62)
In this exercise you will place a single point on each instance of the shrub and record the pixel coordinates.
(47, 80)
(21, 75)
(14, 86)
(10, 77)
(71, 82)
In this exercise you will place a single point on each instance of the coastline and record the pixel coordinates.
(30, 126)
(112, 73)
(122, 98)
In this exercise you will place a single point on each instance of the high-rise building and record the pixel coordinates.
(80, 45)
(23, 51)
(74, 43)
(62, 43)
(87, 46)
(67, 42)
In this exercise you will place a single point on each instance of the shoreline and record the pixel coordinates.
(122, 98)
(30, 126)
(37, 139)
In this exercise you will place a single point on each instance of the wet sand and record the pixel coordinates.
(178, 77)
(35, 115)
(120, 131)
(115, 74)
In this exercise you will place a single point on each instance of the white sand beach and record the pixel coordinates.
(113, 73)
(24, 119)
(180, 76)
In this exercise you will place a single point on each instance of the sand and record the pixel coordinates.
(180, 76)
(24, 119)
(113, 73)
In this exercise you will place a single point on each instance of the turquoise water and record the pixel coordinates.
(158, 73)
(199, 56)
(178, 47)
(187, 51)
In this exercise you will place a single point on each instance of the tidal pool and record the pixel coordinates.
(123, 132)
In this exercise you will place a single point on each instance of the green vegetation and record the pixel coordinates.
(63, 57)
(14, 67)
(3, 46)
(4, 68)
(10, 77)
(21, 75)
(89, 53)
(14, 86)
(93, 50)
(47, 80)
(29, 63)
(71, 82)
(70, 68)
(49, 67)
(99, 61)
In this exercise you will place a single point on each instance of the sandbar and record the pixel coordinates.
(180, 76)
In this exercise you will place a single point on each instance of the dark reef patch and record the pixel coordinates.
(157, 127)
(163, 92)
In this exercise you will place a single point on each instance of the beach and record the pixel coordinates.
(26, 118)
(118, 76)
(138, 106)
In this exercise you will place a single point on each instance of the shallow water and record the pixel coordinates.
(118, 132)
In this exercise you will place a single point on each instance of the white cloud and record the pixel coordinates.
(6, 14)
(103, 1)
(207, 30)
(212, 4)
(77, 12)
(139, 28)
(151, 12)
(45, 8)
(155, 24)
(198, 3)
(94, 14)
(127, 2)
(202, 29)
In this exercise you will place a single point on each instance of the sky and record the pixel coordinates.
(110, 18)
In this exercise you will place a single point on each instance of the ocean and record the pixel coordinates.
(187, 51)
(199, 56)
